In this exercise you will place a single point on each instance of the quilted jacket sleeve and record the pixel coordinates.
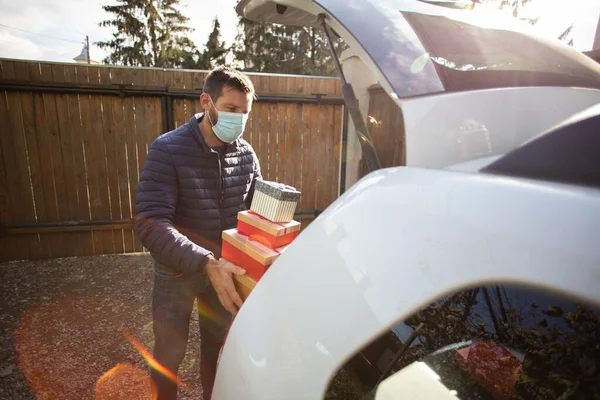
(155, 206)
(257, 176)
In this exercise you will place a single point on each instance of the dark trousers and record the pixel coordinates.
(173, 298)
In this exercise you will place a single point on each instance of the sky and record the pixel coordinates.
(73, 19)
(47, 21)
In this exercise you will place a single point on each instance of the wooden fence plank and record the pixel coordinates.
(332, 161)
(156, 124)
(55, 158)
(263, 147)
(255, 134)
(5, 209)
(315, 167)
(111, 168)
(321, 132)
(178, 80)
(75, 243)
(282, 84)
(132, 157)
(141, 127)
(101, 165)
(160, 78)
(247, 135)
(8, 69)
(307, 200)
(104, 77)
(294, 164)
(338, 119)
(331, 87)
(70, 74)
(34, 72)
(307, 86)
(179, 116)
(58, 73)
(8, 244)
(137, 76)
(11, 201)
(66, 150)
(198, 81)
(273, 142)
(288, 150)
(90, 154)
(21, 70)
(321, 86)
(29, 247)
(82, 211)
(82, 74)
(283, 149)
(34, 170)
(126, 76)
(187, 80)
(120, 116)
(99, 154)
(115, 75)
(75, 104)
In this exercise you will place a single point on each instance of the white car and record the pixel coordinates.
(474, 271)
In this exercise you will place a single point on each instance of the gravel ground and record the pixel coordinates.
(61, 330)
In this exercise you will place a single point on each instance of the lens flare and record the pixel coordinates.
(419, 64)
(204, 310)
(374, 121)
(151, 360)
(125, 381)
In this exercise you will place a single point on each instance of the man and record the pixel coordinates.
(195, 181)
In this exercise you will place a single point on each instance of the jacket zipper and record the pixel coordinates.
(221, 189)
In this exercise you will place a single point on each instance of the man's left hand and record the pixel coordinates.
(220, 274)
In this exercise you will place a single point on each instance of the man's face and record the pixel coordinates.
(231, 100)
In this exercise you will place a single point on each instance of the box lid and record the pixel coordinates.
(253, 248)
(277, 190)
(272, 228)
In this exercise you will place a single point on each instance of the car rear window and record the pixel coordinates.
(489, 342)
(471, 57)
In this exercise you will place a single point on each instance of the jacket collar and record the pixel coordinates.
(194, 125)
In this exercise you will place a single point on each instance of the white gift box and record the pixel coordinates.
(275, 201)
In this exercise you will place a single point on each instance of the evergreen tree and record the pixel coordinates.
(215, 51)
(265, 47)
(148, 33)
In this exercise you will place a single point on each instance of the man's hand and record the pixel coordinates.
(220, 274)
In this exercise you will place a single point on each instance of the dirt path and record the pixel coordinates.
(61, 330)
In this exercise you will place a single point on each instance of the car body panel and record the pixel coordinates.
(398, 239)
(402, 237)
(452, 128)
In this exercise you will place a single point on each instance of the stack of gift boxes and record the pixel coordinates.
(263, 232)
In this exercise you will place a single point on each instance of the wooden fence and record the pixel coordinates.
(73, 139)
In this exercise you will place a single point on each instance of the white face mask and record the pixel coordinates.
(229, 126)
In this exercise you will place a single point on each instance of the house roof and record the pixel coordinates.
(83, 54)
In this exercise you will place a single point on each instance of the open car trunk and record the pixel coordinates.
(470, 85)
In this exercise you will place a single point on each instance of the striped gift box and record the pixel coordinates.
(275, 201)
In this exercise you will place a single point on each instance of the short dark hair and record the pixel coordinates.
(222, 77)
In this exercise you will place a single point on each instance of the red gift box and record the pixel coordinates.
(247, 253)
(492, 366)
(271, 234)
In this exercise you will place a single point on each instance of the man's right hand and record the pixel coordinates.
(220, 274)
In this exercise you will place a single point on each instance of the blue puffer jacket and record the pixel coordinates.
(188, 194)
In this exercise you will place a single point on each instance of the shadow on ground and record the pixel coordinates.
(61, 330)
